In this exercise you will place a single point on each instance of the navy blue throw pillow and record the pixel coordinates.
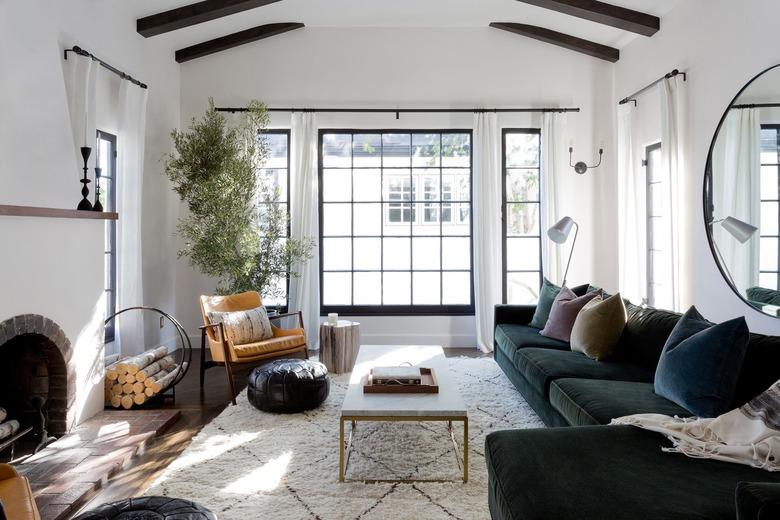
(700, 363)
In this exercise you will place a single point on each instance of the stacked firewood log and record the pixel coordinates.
(7, 428)
(134, 380)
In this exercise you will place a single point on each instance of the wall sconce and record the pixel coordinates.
(580, 167)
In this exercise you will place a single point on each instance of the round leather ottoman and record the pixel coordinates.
(288, 386)
(149, 508)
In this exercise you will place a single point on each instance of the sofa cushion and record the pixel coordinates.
(613, 472)
(645, 334)
(592, 401)
(540, 366)
(701, 362)
(509, 338)
(598, 327)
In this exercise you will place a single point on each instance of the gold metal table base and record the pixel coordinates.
(345, 449)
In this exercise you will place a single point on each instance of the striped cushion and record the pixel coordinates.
(242, 327)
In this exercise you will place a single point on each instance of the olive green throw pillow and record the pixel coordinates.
(598, 327)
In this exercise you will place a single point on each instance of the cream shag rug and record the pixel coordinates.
(251, 465)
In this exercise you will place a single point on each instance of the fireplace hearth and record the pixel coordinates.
(37, 379)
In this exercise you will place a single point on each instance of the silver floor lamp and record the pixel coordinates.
(559, 233)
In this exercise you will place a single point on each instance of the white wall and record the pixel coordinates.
(721, 44)
(423, 67)
(54, 267)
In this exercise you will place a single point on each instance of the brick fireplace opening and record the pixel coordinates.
(37, 379)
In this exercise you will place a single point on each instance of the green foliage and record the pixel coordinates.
(234, 232)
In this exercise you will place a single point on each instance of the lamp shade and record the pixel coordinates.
(740, 230)
(560, 231)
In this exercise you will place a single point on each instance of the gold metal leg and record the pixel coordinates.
(341, 450)
(465, 450)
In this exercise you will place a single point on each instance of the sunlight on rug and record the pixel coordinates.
(247, 464)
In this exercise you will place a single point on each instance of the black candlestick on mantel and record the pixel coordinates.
(97, 206)
(85, 204)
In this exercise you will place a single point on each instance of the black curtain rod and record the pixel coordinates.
(632, 97)
(756, 105)
(398, 111)
(81, 52)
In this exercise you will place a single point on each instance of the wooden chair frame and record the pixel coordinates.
(220, 328)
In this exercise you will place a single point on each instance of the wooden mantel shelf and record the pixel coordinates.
(32, 211)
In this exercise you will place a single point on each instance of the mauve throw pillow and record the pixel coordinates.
(564, 312)
(701, 362)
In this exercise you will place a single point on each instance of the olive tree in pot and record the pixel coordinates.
(233, 231)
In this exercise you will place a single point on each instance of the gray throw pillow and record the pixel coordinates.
(547, 295)
(564, 312)
(598, 327)
(244, 327)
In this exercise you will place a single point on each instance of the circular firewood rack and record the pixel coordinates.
(183, 359)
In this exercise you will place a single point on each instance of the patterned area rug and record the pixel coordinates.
(247, 464)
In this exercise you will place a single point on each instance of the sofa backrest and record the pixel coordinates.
(646, 332)
(760, 369)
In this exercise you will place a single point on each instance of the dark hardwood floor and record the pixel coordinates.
(197, 409)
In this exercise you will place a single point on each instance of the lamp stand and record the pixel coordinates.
(571, 252)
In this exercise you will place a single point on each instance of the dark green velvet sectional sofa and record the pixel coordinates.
(583, 469)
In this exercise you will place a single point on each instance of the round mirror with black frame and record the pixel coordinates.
(742, 193)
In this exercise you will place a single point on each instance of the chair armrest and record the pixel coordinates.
(287, 332)
(757, 500)
(514, 314)
(7, 471)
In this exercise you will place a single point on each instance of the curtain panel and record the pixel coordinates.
(553, 162)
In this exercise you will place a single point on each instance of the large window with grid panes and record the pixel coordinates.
(274, 187)
(521, 214)
(769, 228)
(395, 221)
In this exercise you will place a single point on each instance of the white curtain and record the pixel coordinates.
(736, 172)
(304, 289)
(130, 174)
(80, 79)
(553, 162)
(631, 209)
(673, 157)
(487, 224)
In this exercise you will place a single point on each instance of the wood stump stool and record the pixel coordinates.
(339, 345)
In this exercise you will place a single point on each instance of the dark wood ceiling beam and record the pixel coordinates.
(607, 14)
(234, 40)
(566, 41)
(194, 14)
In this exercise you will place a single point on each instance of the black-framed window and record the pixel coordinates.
(521, 214)
(395, 221)
(106, 160)
(275, 175)
(658, 229)
(769, 228)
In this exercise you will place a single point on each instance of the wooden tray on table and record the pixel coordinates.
(429, 385)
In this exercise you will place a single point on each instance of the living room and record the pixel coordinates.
(412, 259)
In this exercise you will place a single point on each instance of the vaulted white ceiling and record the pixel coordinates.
(396, 13)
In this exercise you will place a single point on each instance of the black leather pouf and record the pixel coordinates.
(288, 386)
(149, 508)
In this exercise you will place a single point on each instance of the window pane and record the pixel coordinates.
(277, 296)
(368, 219)
(426, 149)
(368, 289)
(769, 146)
(456, 150)
(426, 253)
(397, 288)
(456, 288)
(396, 150)
(336, 150)
(277, 150)
(461, 220)
(396, 253)
(367, 150)
(456, 253)
(769, 183)
(336, 185)
(522, 150)
(769, 280)
(770, 212)
(522, 254)
(368, 253)
(397, 218)
(337, 288)
(367, 185)
(522, 185)
(427, 288)
(522, 288)
(337, 219)
(336, 254)
(275, 183)
(522, 219)
(768, 255)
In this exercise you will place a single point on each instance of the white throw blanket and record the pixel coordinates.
(747, 435)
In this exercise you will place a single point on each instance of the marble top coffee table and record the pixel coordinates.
(446, 405)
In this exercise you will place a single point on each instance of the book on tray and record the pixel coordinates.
(396, 376)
